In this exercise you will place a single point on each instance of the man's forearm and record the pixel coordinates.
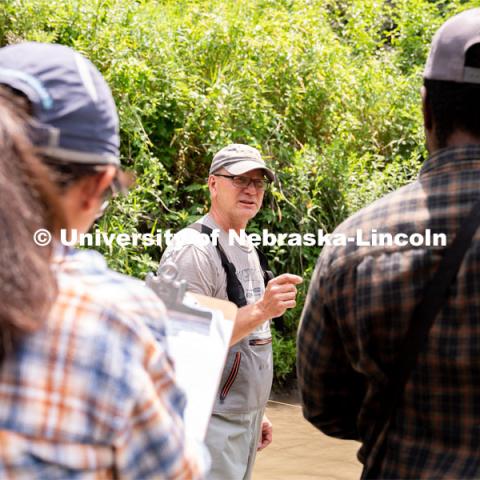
(279, 295)
(335, 424)
(248, 318)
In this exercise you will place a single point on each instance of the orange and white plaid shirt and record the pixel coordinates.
(92, 394)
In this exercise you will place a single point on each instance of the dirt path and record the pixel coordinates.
(300, 452)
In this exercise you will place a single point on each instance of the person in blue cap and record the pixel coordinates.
(89, 390)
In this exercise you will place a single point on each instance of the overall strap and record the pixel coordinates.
(267, 274)
(435, 296)
(235, 291)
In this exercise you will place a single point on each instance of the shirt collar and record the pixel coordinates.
(246, 245)
(69, 258)
(452, 158)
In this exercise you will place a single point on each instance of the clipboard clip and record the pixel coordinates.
(172, 291)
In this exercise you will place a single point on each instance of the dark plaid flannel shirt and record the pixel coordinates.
(358, 307)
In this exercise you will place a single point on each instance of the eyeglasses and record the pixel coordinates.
(110, 192)
(242, 181)
(120, 184)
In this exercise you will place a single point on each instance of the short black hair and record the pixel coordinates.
(455, 106)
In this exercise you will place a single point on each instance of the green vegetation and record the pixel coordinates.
(327, 89)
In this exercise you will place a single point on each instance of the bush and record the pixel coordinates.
(328, 90)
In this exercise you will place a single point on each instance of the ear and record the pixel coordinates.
(93, 187)
(427, 114)
(428, 123)
(212, 185)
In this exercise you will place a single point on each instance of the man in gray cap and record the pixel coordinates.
(91, 392)
(234, 270)
(389, 343)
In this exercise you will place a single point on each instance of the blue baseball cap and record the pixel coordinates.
(74, 115)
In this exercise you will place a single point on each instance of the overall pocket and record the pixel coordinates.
(231, 376)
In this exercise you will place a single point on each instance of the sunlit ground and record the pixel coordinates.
(300, 452)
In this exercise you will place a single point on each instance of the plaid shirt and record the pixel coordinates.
(92, 394)
(357, 311)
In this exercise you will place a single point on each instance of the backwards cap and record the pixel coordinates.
(446, 61)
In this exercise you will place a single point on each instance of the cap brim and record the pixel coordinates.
(245, 166)
(72, 156)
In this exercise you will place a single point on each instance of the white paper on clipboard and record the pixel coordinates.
(198, 347)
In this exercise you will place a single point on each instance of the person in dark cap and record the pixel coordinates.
(88, 390)
(236, 271)
(389, 342)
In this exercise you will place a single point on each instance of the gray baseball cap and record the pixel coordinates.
(446, 61)
(75, 118)
(238, 158)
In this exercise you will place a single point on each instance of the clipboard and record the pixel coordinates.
(199, 329)
(228, 309)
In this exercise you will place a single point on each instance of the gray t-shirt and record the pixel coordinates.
(198, 262)
(247, 377)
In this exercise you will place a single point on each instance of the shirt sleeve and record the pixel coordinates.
(153, 442)
(331, 390)
(194, 265)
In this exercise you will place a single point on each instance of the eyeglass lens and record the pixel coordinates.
(244, 182)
